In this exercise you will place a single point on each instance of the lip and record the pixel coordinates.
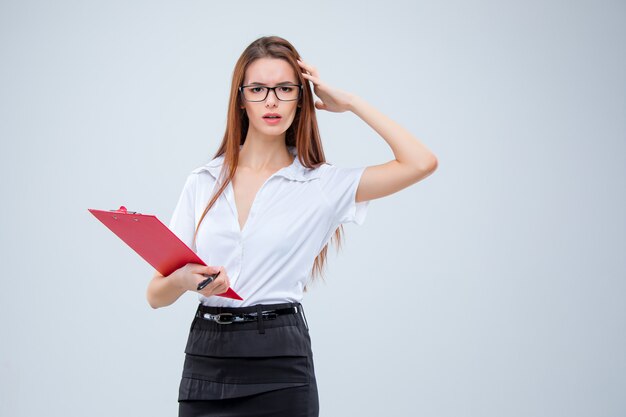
(272, 121)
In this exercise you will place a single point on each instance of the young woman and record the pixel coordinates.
(263, 211)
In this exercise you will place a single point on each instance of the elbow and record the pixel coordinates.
(151, 294)
(432, 164)
(152, 304)
(151, 301)
(425, 168)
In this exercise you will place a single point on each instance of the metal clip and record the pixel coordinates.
(218, 317)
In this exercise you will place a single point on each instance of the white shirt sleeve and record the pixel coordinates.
(183, 220)
(340, 185)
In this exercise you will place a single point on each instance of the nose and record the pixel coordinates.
(271, 98)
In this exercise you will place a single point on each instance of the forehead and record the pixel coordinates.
(269, 71)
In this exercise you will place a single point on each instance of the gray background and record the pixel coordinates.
(495, 287)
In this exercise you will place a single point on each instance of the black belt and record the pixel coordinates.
(229, 318)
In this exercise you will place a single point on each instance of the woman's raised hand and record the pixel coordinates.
(190, 275)
(332, 99)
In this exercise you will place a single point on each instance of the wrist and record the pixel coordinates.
(353, 102)
(176, 280)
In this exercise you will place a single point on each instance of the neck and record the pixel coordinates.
(262, 154)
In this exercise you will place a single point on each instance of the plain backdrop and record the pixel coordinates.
(494, 287)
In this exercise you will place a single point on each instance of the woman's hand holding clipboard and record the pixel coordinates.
(188, 277)
(160, 247)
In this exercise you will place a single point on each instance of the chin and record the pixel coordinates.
(270, 130)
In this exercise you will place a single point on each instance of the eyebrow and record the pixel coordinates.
(281, 83)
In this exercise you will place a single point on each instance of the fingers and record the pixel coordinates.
(213, 269)
(311, 69)
(219, 285)
(222, 287)
(204, 269)
(313, 79)
(331, 99)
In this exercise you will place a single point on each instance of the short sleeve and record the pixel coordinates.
(183, 220)
(339, 185)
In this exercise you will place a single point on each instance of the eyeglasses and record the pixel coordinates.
(260, 93)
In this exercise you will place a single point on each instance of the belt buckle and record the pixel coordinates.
(271, 315)
(219, 318)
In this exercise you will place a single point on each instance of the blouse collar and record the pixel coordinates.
(296, 171)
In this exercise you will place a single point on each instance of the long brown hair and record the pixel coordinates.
(303, 132)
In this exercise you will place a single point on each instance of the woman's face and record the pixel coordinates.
(270, 72)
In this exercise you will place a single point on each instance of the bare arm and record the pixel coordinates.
(413, 161)
(163, 291)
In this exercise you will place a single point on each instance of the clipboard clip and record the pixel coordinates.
(123, 210)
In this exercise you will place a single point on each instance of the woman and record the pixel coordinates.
(263, 211)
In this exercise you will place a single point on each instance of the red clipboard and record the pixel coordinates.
(152, 240)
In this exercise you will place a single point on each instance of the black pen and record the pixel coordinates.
(207, 281)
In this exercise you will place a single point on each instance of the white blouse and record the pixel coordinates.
(293, 216)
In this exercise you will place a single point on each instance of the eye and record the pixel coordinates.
(287, 89)
(257, 89)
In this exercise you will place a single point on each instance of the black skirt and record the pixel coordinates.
(261, 368)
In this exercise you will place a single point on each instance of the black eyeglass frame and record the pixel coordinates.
(267, 93)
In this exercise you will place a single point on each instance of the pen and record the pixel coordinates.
(207, 281)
